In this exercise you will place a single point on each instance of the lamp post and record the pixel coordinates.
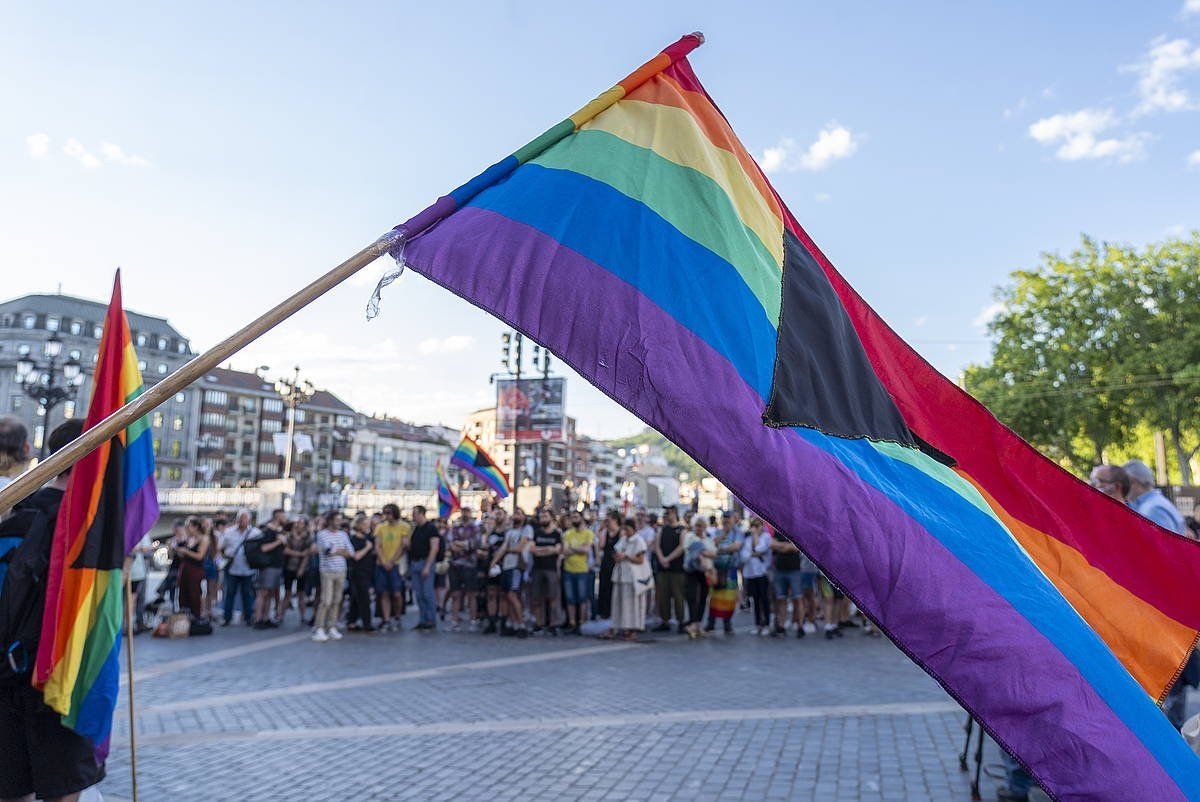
(42, 382)
(294, 393)
(513, 363)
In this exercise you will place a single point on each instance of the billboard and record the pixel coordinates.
(530, 410)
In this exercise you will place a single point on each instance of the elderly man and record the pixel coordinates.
(1149, 501)
(239, 576)
(1111, 480)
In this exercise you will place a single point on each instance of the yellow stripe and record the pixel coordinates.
(61, 684)
(674, 134)
(606, 99)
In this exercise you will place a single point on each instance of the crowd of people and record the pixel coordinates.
(513, 574)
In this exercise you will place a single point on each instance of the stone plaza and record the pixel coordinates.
(272, 716)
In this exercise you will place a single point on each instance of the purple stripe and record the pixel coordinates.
(1031, 697)
(141, 511)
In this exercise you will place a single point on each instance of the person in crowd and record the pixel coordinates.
(391, 565)
(756, 561)
(729, 549)
(137, 565)
(297, 553)
(836, 611)
(670, 582)
(546, 586)
(39, 756)
(239, 576)
(464, 546)
(699, 552)
(14, 449)
(790, 584)
(631, 580)
(1148, 501)
(362, 574)
(423, 550)
(490, 575)
(511, 558)
(191, 554)
(334, 549)
(1111, 480)
(169, 586)
(212, 569)
(270, 576)
(578, 546)
(606, 541)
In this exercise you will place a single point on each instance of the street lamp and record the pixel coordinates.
(41, 381)
(294, 393)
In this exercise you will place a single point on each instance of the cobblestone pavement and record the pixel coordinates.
(430, 716)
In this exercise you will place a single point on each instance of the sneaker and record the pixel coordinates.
(810, 627)
(778, 632)
(333, 633)
(522, 633)
(800, 633)
(489, 628)
(830, 631)
(319, 635)
(663, 627)
(454, 627)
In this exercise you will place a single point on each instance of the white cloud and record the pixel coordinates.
(1193, 158)
(75, 149)
(116, 155)
(1160, 72)
(989, 313)
(921, 321)
(37, 145)
(1190, 7)
(1077, 135)
(1016, 109)
(822, 197)
(833, 143)
(446, 345)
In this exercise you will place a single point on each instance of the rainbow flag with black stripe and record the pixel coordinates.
(109, 505)
(474, 460)
(640, 241)
(447, 498)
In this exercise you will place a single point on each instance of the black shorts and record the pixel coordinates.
(38, 755)
(464, 579)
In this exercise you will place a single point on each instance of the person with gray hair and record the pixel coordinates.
(1111, 480)
(14, 448)
(1148, 500)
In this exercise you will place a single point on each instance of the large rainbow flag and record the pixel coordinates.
(447, 498)
(471, 457)
(640, 241)
(109, 505)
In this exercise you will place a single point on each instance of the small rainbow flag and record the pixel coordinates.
(474, 460)
(110, 503)
(447, 499)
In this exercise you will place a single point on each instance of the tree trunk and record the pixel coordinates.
(1181, 456)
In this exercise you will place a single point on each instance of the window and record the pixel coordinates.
(177, 423)
(216, 398)
(161, 368)
(142, 365)
(97, 332)
(141, 339)
(176, 448)
(181, 347)
(345, 420)
(16, 402)
(269, 425)
(180, 398)
(157, 446)
(76, 327)
(323, 419)
(52, 323)
(23, 349)
(75, 354)
(272, 405)
(28, 322)
(268, 469)
(156, 420)
(299, 416)
(247, 403)
(162, 343)
(174, 474)
(212, 419)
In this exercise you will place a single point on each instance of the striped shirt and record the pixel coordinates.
(328, 541)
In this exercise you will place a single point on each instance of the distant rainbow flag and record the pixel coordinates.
(110, 503)
(447, 499)
(474, 460)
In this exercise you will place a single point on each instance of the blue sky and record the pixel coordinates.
(224, 155)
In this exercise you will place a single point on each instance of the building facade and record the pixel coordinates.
(390, 454)
(562, 459)
(28, 322)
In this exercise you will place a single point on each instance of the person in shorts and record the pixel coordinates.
(511, 558)
(463, 541)
(545, 585)
(492, 582)
(38, 755)
(391, 545)
(790, 582)
(578, 545)
(297, 553)
(270, 577)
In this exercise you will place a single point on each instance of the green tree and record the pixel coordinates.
(679, 461)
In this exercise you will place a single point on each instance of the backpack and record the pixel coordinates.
(256, 558)
(23, 595)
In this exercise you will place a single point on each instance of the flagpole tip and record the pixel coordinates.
(699, 35)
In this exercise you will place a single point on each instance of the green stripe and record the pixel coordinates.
(544, 141)
(687, 199)
(100, 639)
(940, 473)
(141, 424)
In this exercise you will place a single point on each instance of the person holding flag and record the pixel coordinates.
(62, 604)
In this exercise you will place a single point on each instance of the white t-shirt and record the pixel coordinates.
(232, 541)
(756, 555)
(328, 540)
(516, 541)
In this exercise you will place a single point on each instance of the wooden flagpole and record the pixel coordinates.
(108, 428)
(130, 603)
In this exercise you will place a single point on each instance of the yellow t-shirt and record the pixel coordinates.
(575, 539)
(391, 537)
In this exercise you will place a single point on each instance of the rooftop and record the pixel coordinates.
(252, 382)
(69, 306)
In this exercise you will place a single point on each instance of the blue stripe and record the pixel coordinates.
(691, 283)
(485, 179)
(982, 544)
(137, 463)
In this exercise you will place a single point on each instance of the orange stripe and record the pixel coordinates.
(1151, 645)
(645, 72)
(666, 91)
